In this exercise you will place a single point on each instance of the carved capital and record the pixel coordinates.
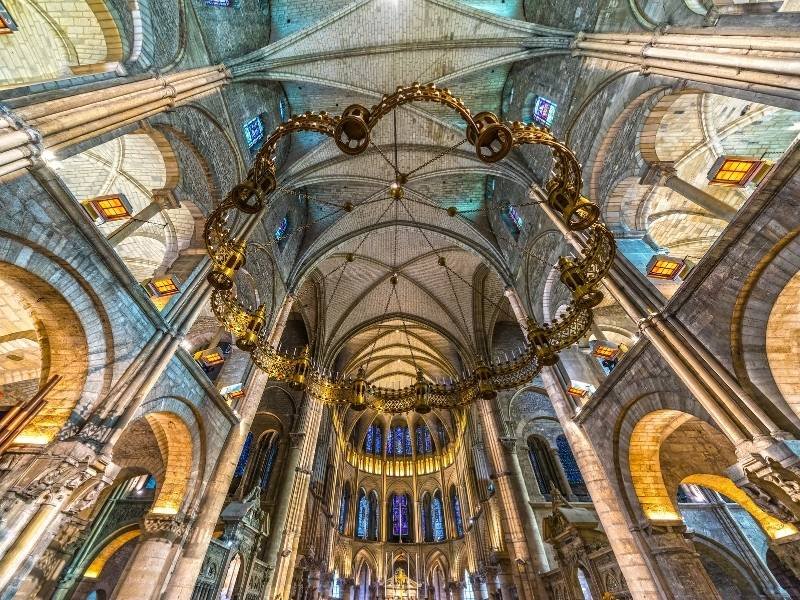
(296, 438)
(770, 476)
(166, 527)
(509, 443)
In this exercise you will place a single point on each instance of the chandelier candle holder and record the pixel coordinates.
(492, 139)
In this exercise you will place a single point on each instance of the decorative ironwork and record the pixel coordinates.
(226, 240)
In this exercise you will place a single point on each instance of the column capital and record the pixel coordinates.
(166, 527)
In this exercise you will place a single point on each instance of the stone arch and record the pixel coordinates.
(58, 39)
(761, 327)
(163, 439)
(50, 336)
(730, 575)
(669, 447)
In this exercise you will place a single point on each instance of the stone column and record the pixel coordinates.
(479, 587)
(631, 557)
(57, 124)
(761, 63)
(182, 581)
(347, 585)
(291, 500)
(664, 173)
(522, 537)
(149, 565)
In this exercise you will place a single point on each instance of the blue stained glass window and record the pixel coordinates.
(377, 443)
(568, 460)
(389, 443)
(442, 433)
(282, 229)
(150, 483)
(400, 515)
(437, 518)
(368, 439)
(282, 108)
(544, 111)
(407, 440)
(363, 516)
(515, 217)
(253, 132)
(398, 441)
(267, 472)
(244, 456)
(344, 507)
(426, 526)
(424, 440)
(457, 512)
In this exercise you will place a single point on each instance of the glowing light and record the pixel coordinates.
(544, 111)
(32, 439)
(665, 267)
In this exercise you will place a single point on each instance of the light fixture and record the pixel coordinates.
(164, 286)
(737, 171)
(663, 266)
(605, 350)
(577, 392)
(106, 209)
(209, 358)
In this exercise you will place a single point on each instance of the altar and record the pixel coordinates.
(401, 587)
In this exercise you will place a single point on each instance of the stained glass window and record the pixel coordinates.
(437, 518)
(244, 456)
(544, 111)
(407, 441)
(400, 515)
(515, 217)
(150, 483)
(282, 108)
(568, 460)
(282, 229)
(390, 443)
(373, 516)
(344, 507)
(424, 440)
(219, 2)
(398, 441)
(456, 504)
(442, 433)
(363, 516)
(425, 509)
(268, 464)
(372, 441)
(368, 439)
(253, 132)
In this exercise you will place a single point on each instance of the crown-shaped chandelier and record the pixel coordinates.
(228, 228)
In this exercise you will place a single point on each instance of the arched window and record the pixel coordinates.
(344, 507)
(241, 466)
(266, 472)
(373, 516)
(544, 465)
(583, 583)
(399, 442)
(373, 441)
(437, 517)
(424, 440)
(441, 432)
(455, 503)
(400, 522)
(362, 519)
(425, 511)
(574, 477)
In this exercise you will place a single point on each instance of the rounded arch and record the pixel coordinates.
(657, 465)
(55, 39)
(43, 336)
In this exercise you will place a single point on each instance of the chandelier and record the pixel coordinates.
(228, 227)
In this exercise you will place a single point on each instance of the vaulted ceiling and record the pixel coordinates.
(450, 270)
